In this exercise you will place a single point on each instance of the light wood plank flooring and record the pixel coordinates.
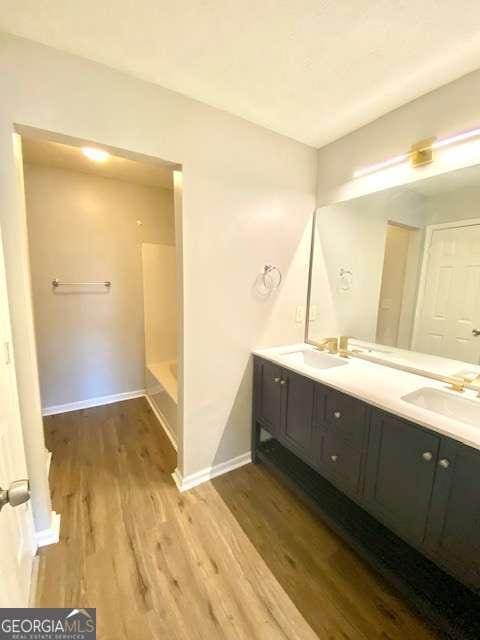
(238, 558)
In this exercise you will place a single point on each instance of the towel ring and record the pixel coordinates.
(270, 280)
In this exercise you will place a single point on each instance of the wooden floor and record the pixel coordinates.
(237, 558)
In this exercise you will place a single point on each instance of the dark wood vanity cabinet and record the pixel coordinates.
(453, 534)
(297, 408)
(268, 395)
(421, 485)
(342, 422)
(401, 465)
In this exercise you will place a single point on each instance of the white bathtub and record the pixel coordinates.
(162, 387)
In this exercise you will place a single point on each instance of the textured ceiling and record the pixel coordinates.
(313, 70)
(63, 156)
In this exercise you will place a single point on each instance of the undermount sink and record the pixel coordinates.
(314, 359)
(446, 404)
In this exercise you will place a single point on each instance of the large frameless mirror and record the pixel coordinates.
(398, 271)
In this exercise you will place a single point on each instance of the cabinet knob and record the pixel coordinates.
(444, 463)
(283, 382)
(333, 458)
(427, 456)
(337, 415)
(276, 380)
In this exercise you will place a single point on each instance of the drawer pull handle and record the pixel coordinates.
(444, 463)
(337, 415)
(427, 456)
(333, 458)
(276, 380)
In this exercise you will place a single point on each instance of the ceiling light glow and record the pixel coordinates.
(97, 155)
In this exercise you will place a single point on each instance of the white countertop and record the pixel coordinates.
(382, 387)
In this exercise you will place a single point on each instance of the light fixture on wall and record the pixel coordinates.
(95, 154)
(421, 153)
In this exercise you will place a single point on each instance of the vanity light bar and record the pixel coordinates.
(381, 165)
(459, 137)
(436, 144)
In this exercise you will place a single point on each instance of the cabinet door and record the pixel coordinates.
(454, 525)
(268, 392)
(400, 473)
(297, 414)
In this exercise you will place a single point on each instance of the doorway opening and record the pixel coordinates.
(103, 247)
(398, 286)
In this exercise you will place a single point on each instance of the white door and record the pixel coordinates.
(16, 525)
(449, 313)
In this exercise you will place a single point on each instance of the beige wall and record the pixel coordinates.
(248, 196)
(84, 228)
(160, 302)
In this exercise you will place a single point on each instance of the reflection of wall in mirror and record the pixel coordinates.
(354, 233)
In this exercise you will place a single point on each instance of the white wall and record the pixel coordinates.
(459, 204)
(160, 302)
(446, 111)
(82, 227)
(248, 195)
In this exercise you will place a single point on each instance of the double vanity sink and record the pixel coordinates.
(463, 407)
(445, 403)
(404, 448)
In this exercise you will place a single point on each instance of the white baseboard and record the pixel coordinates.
(51, 535)
(92, 402)
(194, 479)
(163, 422)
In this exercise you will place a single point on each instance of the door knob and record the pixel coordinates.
(17, 493)
(427, 456)
(333, 458)
(276, 380)
(283, 382)
(476, 332)
(337, 415)
(444, 463)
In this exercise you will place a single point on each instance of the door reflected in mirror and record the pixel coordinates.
(399, 272)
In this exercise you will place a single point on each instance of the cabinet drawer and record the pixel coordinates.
(345, 416)
(341, 463)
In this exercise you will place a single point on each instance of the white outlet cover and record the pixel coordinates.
(313, 313)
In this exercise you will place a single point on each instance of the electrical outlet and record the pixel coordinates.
(313, 313)
(299, 314)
